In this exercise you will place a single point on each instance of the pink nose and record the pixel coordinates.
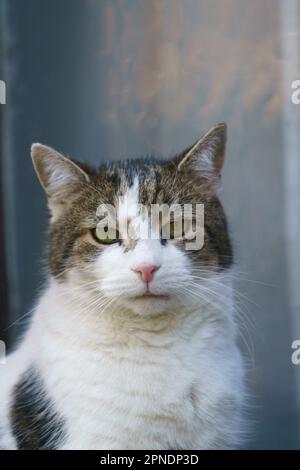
(146, 271)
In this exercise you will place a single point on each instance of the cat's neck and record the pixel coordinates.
(65, 311)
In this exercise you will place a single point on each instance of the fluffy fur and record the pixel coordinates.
(103, 366)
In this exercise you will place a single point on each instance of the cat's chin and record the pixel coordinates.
(148, 304)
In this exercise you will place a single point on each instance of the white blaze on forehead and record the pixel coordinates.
(129, 203)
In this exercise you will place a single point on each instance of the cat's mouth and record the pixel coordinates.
(151, 295)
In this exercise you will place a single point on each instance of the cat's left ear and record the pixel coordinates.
(60, 177)
(206, 156)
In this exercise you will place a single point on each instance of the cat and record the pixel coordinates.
(132, 344)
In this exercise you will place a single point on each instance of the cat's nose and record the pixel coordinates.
(146, 271)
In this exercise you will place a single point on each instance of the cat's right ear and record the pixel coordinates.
(59, 176)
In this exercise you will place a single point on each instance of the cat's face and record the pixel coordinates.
(144, 274)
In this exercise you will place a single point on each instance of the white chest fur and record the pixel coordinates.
(172, 382)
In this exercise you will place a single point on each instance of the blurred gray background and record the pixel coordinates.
(108, 79)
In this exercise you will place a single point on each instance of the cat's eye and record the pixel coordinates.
(172, 231)
(181, 230)
(107, 239)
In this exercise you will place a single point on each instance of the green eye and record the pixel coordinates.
(172, 230)
(107, 240)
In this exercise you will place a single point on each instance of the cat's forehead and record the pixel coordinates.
(140, 181)
(129, 184)
(128, 203)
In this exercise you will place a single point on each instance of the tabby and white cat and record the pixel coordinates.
(131, 345)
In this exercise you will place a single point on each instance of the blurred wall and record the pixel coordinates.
(111, 79)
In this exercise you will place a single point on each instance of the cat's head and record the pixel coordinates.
(144, 274)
